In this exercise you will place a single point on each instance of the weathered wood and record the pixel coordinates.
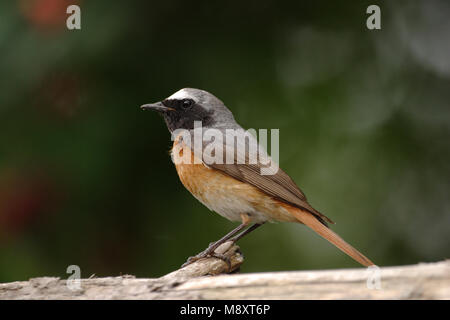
(421, 281)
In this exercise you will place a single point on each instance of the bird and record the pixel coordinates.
(236, 190)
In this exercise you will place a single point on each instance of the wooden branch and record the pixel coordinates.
(421, 281)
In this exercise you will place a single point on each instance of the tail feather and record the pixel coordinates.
(312, 222)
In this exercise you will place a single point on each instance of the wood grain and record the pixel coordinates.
(421, 281)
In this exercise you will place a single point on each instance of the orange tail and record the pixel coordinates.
(309, 220)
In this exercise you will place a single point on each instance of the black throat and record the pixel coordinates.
(183, 118)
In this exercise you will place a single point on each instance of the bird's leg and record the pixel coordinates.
(213, 246)
(234, 236)
(245, 232)
(234, 240)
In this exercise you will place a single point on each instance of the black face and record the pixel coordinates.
(181, 114)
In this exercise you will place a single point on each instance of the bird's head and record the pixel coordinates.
(188, 105)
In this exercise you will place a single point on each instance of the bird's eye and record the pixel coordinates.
(187, 103)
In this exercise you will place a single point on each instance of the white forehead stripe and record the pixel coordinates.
(181, 94)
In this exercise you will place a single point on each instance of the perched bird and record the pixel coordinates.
(237, 190)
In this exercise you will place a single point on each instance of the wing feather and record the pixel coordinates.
(279, 185)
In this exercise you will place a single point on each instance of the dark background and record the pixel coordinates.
(85, 175)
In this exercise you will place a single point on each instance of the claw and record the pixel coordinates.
(224, 258)
(207, 254)
(192, 260)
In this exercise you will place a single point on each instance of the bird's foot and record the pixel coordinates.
(204, 254)
(222, 257)
(217, 255)
(192, 259)
(210, 252)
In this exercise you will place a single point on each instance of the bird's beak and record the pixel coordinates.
(158, 106)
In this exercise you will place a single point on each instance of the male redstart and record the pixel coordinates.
(237, 190)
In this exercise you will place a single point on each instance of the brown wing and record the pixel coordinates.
(280, 186)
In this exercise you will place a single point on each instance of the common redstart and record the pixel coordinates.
(235, 188)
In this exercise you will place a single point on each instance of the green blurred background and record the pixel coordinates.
(85, 175)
